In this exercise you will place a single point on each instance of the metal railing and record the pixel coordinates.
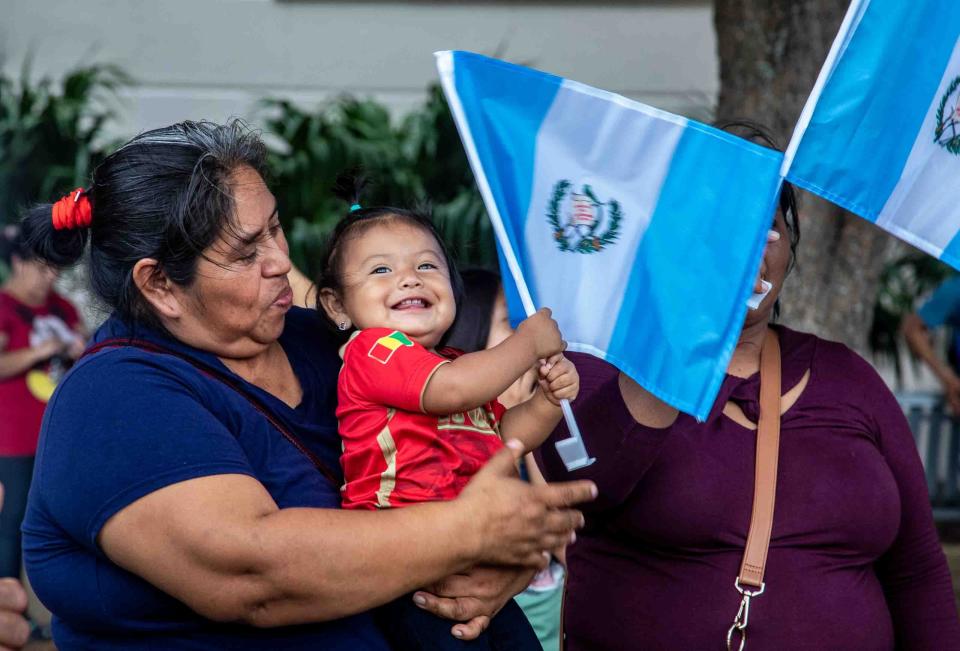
(937, 435)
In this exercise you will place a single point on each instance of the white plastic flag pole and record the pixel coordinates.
(571, 450)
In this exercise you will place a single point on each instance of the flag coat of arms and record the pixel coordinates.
(880, 135)
(641, 230)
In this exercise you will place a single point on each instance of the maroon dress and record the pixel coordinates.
(854, 560)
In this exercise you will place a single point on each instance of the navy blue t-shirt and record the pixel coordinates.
(126, 422)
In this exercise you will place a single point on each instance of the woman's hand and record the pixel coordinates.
(517, 522)
(268, 566)
(473, 598)
(14, 629)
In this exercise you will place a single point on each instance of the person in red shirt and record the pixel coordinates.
(417, 419)
(40, 336)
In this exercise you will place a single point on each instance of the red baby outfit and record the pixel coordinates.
(394, 453)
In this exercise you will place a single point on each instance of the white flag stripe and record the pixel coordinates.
(574, 149)
(926, 196)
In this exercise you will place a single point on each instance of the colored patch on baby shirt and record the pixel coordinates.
(385, 347)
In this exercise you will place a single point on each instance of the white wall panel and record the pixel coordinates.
(215, 58)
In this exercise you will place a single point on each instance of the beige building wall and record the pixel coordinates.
(216, 58)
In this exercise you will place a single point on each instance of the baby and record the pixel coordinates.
(419, 420)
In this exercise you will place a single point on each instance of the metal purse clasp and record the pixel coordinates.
(743, 615)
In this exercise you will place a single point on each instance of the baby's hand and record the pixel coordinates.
(543, 332)
(559, 379)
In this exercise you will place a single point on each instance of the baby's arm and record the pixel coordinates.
(533, 420)
(477, 378)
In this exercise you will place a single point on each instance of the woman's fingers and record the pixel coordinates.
(568, 493)
(12, 595)
(14, 629)
(504, 462)
(458, 609)
(471, 630)
(478, 593)
(517, 521)
(561, 527)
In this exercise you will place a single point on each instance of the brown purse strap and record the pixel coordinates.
(750, 580)
(765, 480)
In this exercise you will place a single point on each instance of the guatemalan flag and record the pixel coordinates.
(880, 135)
(642, 230)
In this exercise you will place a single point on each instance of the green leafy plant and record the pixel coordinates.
(51, 133)
(418, 161)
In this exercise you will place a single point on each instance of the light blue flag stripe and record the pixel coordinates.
(741, 185)
(951, 254)
(877, 95)
(505, 138)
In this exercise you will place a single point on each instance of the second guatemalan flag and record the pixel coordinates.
(642, 230)
(880, 135)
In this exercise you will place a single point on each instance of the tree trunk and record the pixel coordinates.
(771, 52)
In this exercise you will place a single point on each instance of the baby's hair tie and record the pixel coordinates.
(355, 207)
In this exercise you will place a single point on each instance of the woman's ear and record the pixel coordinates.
(333, 306)
(156, 288)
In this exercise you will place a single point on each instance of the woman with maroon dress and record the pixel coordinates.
(854, 562)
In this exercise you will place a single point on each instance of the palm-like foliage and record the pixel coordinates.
(50, 134)
(418, 161)
(437, 158)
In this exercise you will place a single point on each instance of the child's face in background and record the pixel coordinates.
(499, 321)
(395, 276)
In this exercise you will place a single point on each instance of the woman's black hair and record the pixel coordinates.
(471, 330)
(165, 195)
(350, 187)
(761, 135)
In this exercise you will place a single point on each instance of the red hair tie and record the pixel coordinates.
(72, 211)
